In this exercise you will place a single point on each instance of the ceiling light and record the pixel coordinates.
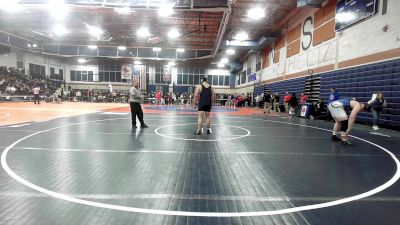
(180, 50)
(221, 65)
(174, 33)
(224, 60)
(92, 46)
(10, 6)
(171, 64)
(95, 31)
(256, 13)
(156, 49)
(60, 30)
(165, 10)
(57, 9)
(121, 48)
(34, 45)
(241, 36)
(137, 62)
(82, 60)
(143, 32)
(230, 51)
(124, 10)
(29, 45)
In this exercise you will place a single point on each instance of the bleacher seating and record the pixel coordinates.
(361, 82)
(293, 85)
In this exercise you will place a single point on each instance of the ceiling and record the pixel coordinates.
(204, 27)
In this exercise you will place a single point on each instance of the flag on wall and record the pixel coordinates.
(139, 73)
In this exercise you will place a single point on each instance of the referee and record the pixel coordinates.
(136, 108)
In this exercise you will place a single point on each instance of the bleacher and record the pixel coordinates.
(293, 85)
(361, 82)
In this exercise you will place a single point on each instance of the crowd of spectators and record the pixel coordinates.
(15, 82)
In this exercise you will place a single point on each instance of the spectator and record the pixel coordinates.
(303, 98)
(334, 95)
(293, 104)
(319, 109)
(286, 101)
(377, 104)
(267, 102)
(276, 102)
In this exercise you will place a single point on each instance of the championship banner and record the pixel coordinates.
(167, 74)
(126, 71)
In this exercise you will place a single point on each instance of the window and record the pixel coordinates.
(90, 75)
(84, 76)
(185, 78)
(220, 80)
(226, 81)
(190, 80)
(73, 75)
(118, 76)
(215, 80)
(210, 80)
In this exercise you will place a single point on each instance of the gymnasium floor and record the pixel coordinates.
(84, 164)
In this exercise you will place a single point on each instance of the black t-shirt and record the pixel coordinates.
(267, 98)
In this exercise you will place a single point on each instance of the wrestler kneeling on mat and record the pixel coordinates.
(343, 122)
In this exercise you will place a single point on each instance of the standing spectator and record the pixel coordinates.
(267, 102)
(303, 98)
(158, 97)
(78, 95)
(36, 92)
(276, 102)
(293, 104)
(334, 95)
(377, 104)
(286, 101)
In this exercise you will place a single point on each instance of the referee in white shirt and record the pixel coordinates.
(136, 108)
(36, 92)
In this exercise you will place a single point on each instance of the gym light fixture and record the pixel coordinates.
(94, 31)
(143, 32)
(180, 50)
(92, 46)
(241, 36)
(224, 60)
(165, 10)
(137, 62)
(220, 65)
(256, 13)
(171, 64)
(123, 11)
(230, 51)
(34, 45)
(82, 60)
(10, 6)
(174, 33)
(60, 30)
(156, 49)
(121, 48)
(58, 9)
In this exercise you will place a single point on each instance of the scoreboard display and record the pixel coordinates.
(349, 12)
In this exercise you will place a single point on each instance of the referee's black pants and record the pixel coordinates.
(136, 110)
